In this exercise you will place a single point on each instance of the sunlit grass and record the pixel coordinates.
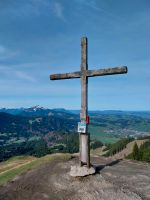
(97, 132)
(17, 168)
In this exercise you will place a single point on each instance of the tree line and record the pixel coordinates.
(39, 147)
(141, 153)
(117, 147)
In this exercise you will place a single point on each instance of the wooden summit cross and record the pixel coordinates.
(84, 74)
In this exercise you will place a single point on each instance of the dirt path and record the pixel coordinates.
(115, 180)
(17, 166)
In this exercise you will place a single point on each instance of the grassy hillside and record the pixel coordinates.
(21, 164)
(119, 150)
(142, 152)
(98, 133)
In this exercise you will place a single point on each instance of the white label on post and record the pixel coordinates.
(81, 127)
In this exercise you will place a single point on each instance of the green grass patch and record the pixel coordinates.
(118, 146)
(143, 126)
(18, 158)
(12, 173)
(97, 133)
(34, 138)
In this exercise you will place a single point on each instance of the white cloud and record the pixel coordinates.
(58, 10)
(24, 76)
(28, 8)
(90, 3)
(6, 53)
(35, 8)
(2, 49)
(15, 74)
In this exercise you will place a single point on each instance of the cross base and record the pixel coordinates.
(77, 171)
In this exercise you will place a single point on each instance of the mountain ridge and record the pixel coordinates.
(39, 110)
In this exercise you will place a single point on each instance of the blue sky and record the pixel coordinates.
(41, 37)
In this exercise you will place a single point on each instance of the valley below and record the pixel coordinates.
(38, 131)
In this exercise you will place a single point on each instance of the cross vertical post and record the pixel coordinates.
(84, 137)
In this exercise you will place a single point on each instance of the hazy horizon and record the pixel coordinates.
(69, 109)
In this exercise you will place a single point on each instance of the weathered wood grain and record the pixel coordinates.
(65, 76)
(107, 71)
(84, 54)
(84, 68)
(84, 157)
(90, 73)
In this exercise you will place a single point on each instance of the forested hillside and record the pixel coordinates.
(26, 131)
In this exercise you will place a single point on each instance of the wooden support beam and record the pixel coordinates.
(107, 71)
(65, 76)
(90, 73)
(84, 155)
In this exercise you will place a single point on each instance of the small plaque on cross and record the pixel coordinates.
(81, 127)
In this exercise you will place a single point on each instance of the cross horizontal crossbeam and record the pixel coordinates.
(90, 73)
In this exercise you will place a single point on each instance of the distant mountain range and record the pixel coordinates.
(41, 111)
(17, 125)
(24, 123)
(34, 111)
